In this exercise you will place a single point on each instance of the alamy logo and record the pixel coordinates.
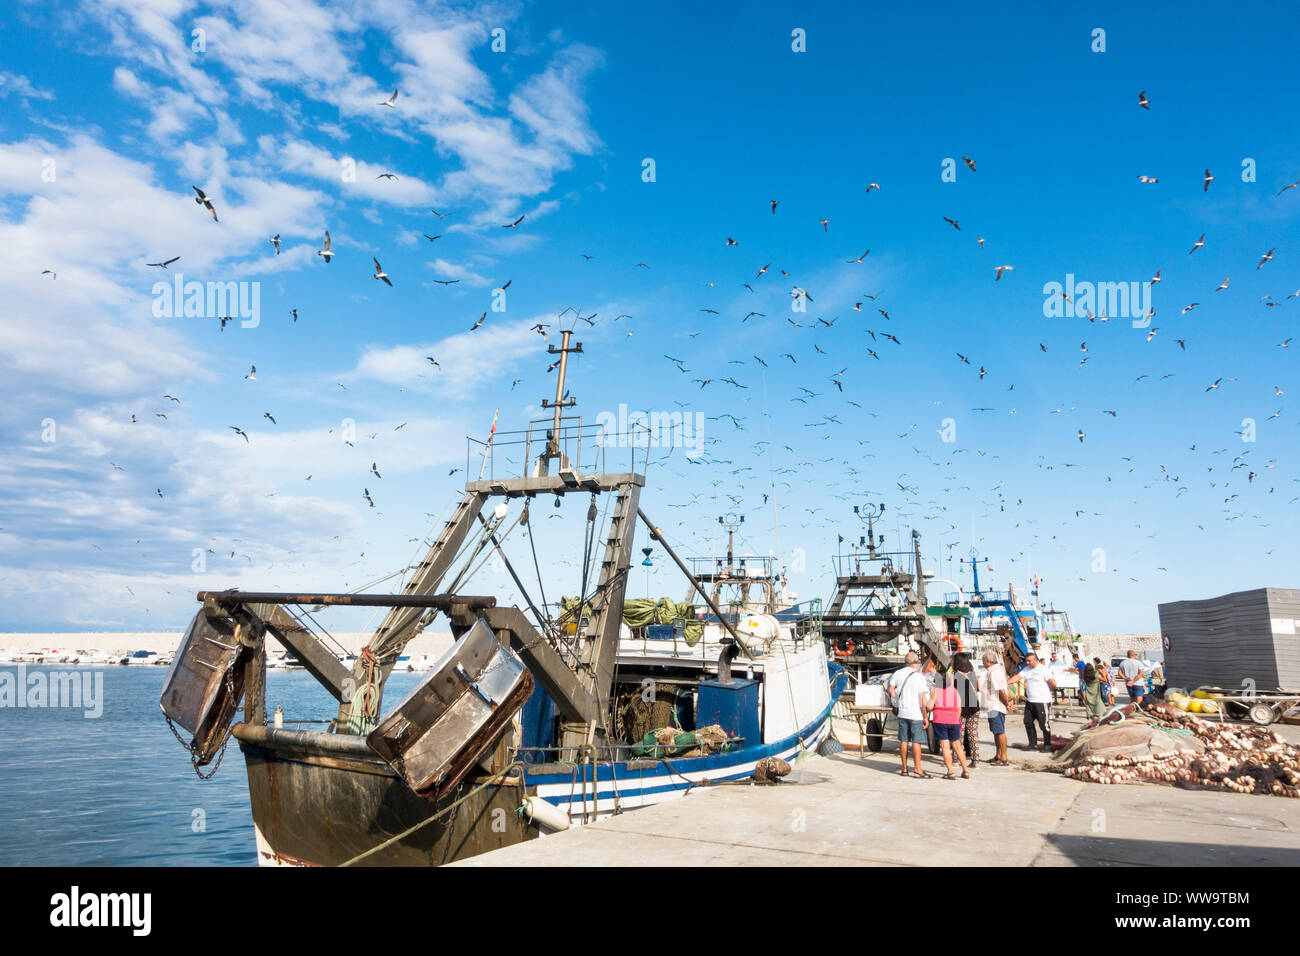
(75, 909)
(208, 300)
(82, 690)
(1098, 300)
(652, 430)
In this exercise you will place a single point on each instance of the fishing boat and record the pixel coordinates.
(541, 716)
(879, 611)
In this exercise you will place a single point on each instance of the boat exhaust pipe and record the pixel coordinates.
(729, 652)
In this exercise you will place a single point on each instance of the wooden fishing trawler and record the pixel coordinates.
(537, 718)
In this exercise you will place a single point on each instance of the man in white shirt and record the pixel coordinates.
(995, 703)
(1039, 688)
(908, 689)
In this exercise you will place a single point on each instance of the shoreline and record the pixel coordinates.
(162, 642)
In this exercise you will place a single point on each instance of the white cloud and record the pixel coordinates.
(469, 360)
(22, 86)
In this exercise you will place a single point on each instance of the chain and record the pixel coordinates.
(225, 738)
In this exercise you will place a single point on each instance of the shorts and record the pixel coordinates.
(997, 722)
(947, 732)
(911, 731)
(1135, 691)
(1105, 693)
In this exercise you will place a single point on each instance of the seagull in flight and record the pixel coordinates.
(240, 432)
(164, 264)
(202, 199)
(391, 102)
(380, 273)
(513, 225)
(275, 241)
(325, 253)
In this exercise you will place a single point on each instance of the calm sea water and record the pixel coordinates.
(119, 790)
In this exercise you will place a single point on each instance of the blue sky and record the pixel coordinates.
(110, 117)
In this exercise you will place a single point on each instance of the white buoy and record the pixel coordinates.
(279, 716)
(543, 814)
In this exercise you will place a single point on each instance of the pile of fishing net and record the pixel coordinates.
(1161, 744)
(638, 612)
(671, 742)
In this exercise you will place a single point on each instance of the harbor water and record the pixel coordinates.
(117, 789)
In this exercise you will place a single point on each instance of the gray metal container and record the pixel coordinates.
(1243, 640)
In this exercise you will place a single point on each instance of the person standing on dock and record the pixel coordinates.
(944, 705)
(968, 690)
(993, 697)
(908, 690)
(1134, 677)
(1094, 704)
(1039, 688)
(1103, 675)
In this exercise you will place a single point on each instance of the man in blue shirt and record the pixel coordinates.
(1079, 665)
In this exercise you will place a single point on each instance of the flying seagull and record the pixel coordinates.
(240, 432)
(325, 253)
(390, 102)
(275, 241)
(164, 264)
(380, 273)
(205, 202)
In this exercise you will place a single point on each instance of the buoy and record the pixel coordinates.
(539, 812)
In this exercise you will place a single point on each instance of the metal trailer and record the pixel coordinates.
(1261, 709)
(872, 730)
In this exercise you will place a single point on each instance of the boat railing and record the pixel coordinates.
(656, 639)
(561, 758)
(589, 449)
(858, 561)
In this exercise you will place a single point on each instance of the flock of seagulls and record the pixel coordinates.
(750, 470)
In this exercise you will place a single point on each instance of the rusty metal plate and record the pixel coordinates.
(455, 715)
(204, 683)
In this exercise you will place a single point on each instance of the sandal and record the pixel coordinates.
(948, 776)
(903, 773)
(922, 775)
(965, 774)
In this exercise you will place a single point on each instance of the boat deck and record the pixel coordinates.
(849, 811)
